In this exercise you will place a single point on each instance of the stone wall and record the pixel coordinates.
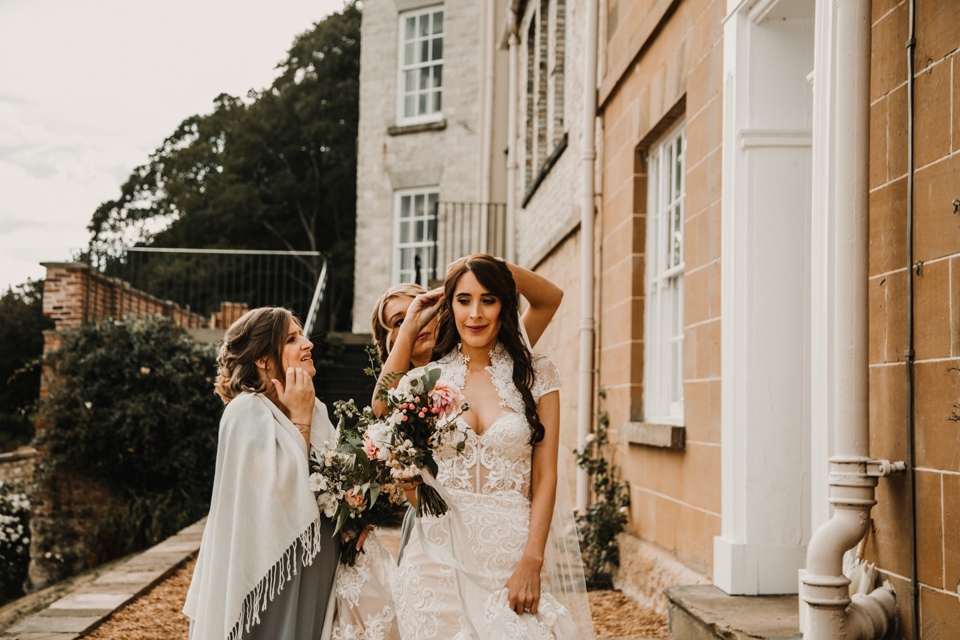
(18, 465)
(937, 305)
(445, 154)
(662, 67)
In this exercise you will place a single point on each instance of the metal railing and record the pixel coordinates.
(202, 283)
(463, 228)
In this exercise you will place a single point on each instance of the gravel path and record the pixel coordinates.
(156, 614)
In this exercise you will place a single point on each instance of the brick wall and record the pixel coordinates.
(937, 305)
(660, 68)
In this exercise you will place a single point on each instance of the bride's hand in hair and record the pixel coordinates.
(422, 310)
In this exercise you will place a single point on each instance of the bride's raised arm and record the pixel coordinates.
(524, 585)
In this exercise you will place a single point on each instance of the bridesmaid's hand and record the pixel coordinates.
(421, 311)
(297, 395)
(523, 587)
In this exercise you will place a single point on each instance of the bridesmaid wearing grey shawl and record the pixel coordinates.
(268, 558)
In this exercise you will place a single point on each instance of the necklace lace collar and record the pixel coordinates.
(500, 369)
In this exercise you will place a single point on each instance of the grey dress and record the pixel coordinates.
(297, 612)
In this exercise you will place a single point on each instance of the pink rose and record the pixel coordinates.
(370, 447)
(354, 499)
(446, 399)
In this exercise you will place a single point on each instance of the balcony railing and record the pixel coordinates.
(204, 282)
(463, 228)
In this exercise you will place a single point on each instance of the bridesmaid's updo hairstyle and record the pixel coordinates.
(259, 333)
(381, 330)
(496, 278)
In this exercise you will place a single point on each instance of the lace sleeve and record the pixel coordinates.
(546, 377)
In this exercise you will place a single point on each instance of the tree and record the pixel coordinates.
(274, 171)
(21, 347)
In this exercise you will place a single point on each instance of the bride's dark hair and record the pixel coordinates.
(496, 278)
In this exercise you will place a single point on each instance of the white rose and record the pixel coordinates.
(327, 504)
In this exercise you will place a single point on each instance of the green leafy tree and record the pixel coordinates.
(21, 346)
(276, 170)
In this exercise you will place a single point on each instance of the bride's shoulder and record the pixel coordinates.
(546, 376)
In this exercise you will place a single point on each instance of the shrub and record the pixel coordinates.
(607, 514)
(14, 539)
(21, 343)
(133, 408)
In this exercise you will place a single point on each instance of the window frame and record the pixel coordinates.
(428, 243)
(662, 368)
(402, 68)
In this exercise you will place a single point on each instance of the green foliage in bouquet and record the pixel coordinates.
(420, 419)
(607, 514)
(133, 408)
(14, 539)
(353, 488)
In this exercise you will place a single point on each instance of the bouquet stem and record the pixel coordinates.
(429, 502)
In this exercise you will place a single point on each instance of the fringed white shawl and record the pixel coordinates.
(261, 507)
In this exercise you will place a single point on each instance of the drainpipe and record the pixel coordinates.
(853, 474)
(512, 138)
(487, 45)
(908, 352)
(587, 160)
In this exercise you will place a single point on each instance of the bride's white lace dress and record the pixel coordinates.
(488, 485)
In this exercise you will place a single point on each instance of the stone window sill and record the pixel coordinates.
(664, 436)
(395, 130)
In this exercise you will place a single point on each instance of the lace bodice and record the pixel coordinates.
(499, 459)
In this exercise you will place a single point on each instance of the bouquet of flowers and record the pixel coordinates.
(353, 489)
(421, 419)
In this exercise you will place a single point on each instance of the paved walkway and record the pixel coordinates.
(75, 614)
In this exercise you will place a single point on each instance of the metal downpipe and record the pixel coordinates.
(587, 322)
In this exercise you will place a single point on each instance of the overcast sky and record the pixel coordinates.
(89, 89)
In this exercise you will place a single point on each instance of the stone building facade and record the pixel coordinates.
(432, 152)
(721, 275)
(729, 476)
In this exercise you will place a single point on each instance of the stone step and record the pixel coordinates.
(704, 612)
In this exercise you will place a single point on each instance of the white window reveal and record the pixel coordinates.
(663, 369)
(421, 66)
(415, 234)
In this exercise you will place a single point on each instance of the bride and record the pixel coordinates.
(477, 571)
(498, 565)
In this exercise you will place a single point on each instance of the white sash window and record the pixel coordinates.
(663, 384)
(415, 233)
(421, 66)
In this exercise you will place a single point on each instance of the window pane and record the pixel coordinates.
(421, 231)
(677, 237)
(438, 22)
(676, 366)
(409, 81)
(408, 53)
(437, 49)
(421, 103)
(424, 78)
(409, 28)
(424, 51)
(418, 206)
(437, 76)
(425, 24)
(404, 232)
(436, 101)
(405, 259)
(405, 207)
(678, 177)
(408, 103)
